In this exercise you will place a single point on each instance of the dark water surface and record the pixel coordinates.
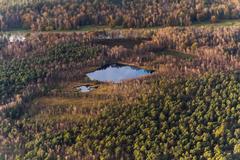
(117, 72)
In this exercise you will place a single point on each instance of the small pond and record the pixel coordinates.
(85, 89)
(17, 37)
(117, 72)
(13, 37)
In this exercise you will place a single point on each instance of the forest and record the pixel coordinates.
(187, 107)
(51, 15)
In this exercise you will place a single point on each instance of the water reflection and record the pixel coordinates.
(85, 89)
(116, 73)
(17, 37)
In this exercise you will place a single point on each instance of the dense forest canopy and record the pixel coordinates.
(177, 119)
(66, 15)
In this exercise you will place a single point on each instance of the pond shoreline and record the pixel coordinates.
(117, 72)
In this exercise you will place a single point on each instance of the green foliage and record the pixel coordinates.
(18, 73)
(180, 119)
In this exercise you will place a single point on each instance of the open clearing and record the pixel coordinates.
(91, 28)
